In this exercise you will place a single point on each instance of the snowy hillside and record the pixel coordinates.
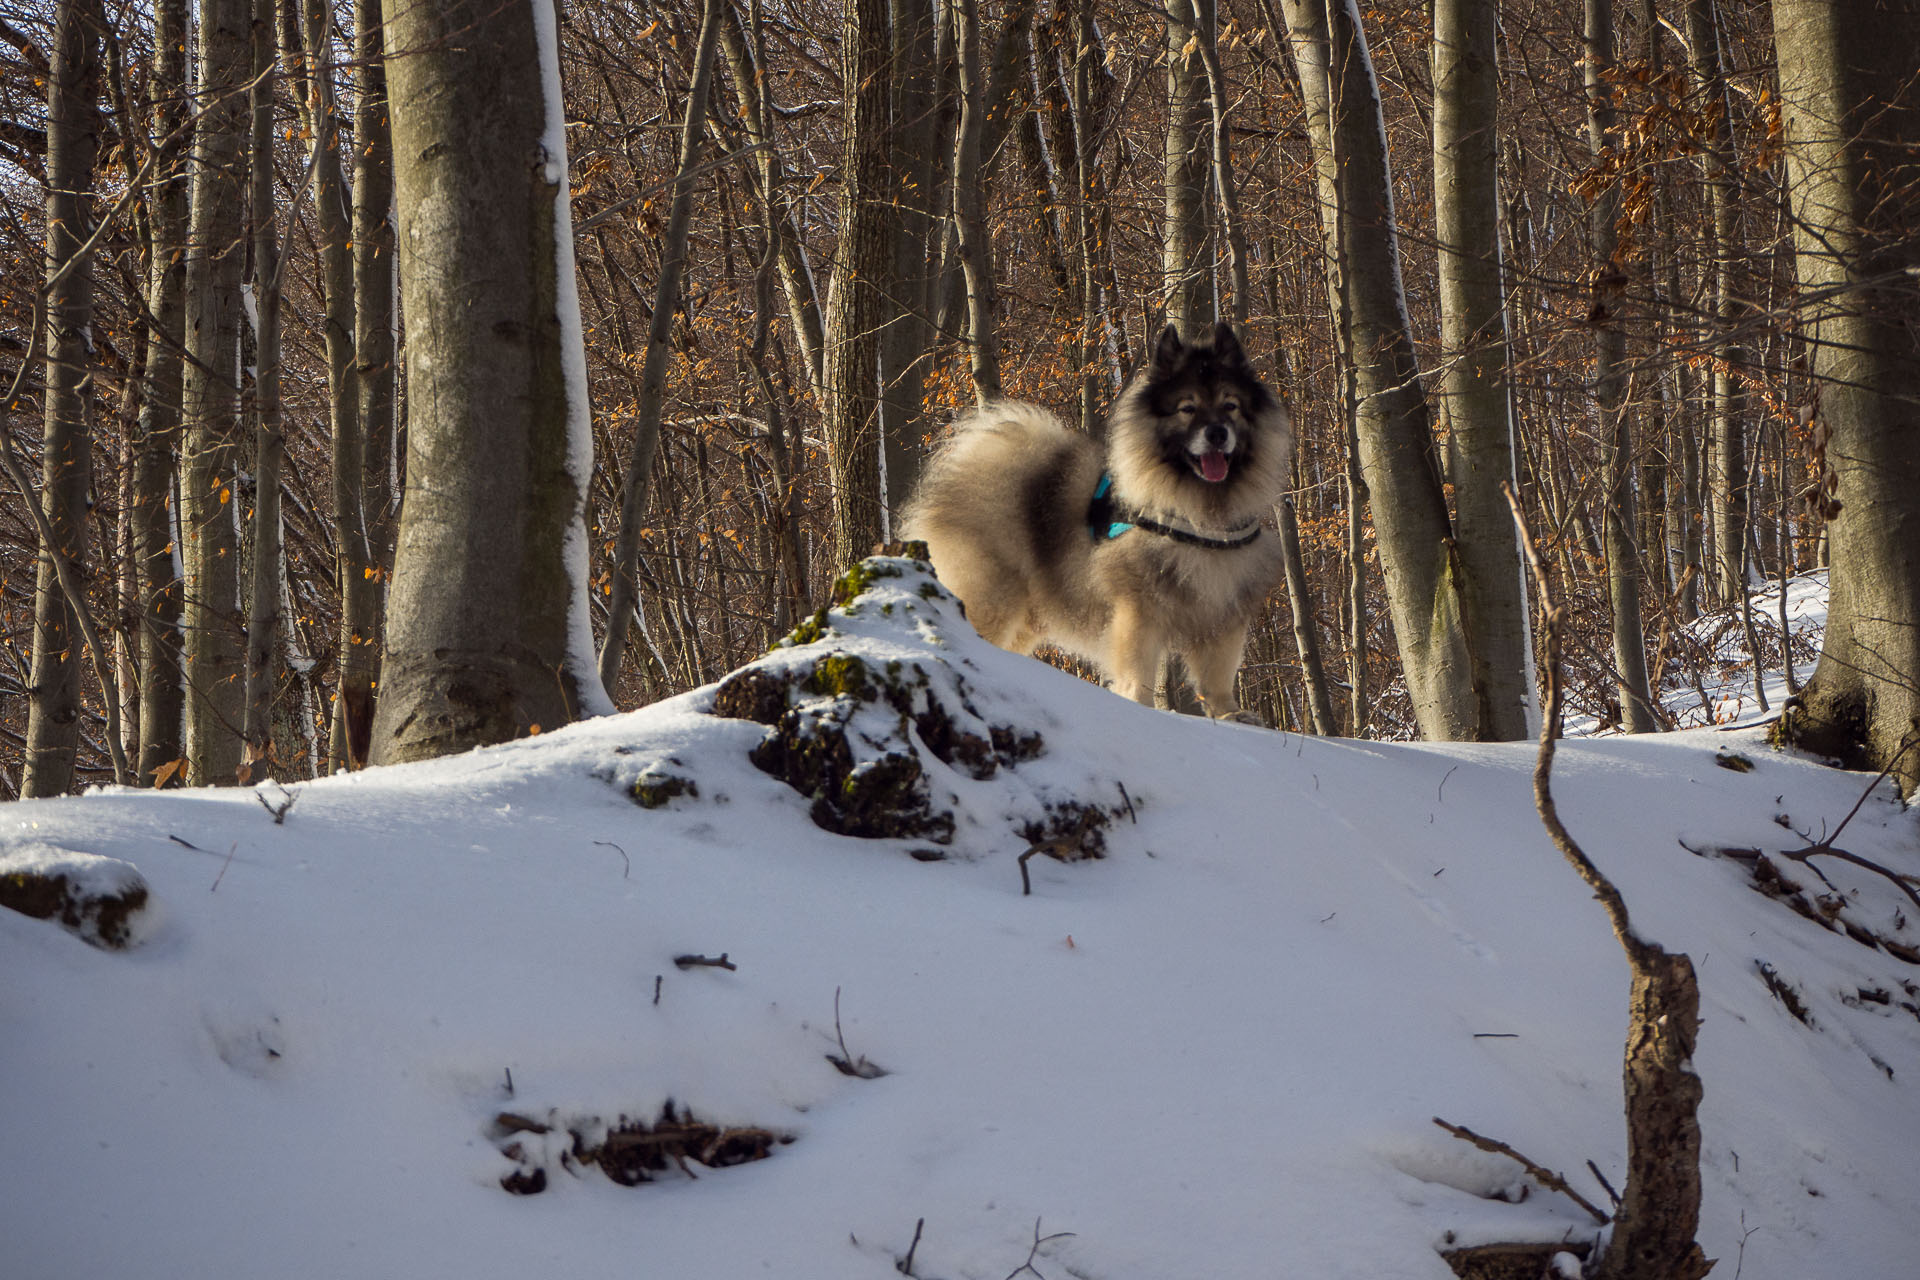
(360, 1016)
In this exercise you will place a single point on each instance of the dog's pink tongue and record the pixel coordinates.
(1213, 465)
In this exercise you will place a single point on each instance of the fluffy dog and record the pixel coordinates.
(1124, 552)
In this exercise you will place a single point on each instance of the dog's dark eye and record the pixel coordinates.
(1230, 406)
(1188, 407)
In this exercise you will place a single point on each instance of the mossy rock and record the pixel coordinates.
(100, 899)
(653, 789)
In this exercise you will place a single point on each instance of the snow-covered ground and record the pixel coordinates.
(1215, 1052)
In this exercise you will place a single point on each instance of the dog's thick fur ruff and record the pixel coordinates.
(1003, 508)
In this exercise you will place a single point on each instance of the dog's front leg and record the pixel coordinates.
(1213, 666)
(1135, 649)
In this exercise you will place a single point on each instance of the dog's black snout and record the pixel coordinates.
(1217, 436)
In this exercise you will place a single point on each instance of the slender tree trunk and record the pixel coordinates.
(1609, 355)
(920, 139)
(216, 253)
(970, 210)
(1852, 112)
(487, 635)
(1396, 447)
(1306, 636)
(749, 88)
(1473, 340)
(862, 278)
(263, 616)
(162, 693)
(1186, 271)
(1728, 433)
(653, 374)
(363, 457)
(73, 135)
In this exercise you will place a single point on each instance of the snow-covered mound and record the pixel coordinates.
(611, 969)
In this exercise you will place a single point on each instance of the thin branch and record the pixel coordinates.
(1539, 1173)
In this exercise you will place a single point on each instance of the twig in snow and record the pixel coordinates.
(223, 866)
(280, 810)
(846, 1063)
(708, 962)
(626, 863)
(1544, 1176)
(1440, 792)
(905, 1265)
(1128, 801)
(1606, 1186)
(657, 979)
(1034, 1252)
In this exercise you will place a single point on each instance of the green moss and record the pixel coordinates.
(841, 675)
(809, 631)
(859, 577)
(928, 591)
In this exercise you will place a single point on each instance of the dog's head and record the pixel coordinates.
(1198, 429)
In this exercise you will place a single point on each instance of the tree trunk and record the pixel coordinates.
(216, 253)
(1609, 391)
(1728, 497)
(73, 138)
(363, 462)
(1473, 342)
(263, 614)
(487, 634)
(863, 276)
(1853, 125)
(750, 89)
(1396, 448)
(920, 138)
(653, 373)
(1186, 271)
(970, 210)
(162, 692)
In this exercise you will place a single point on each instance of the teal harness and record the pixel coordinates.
(1103, 513)
(1107, 520)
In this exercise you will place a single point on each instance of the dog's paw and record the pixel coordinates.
(1244, 717)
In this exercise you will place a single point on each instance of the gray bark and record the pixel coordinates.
(1473, 343)
(369, 515)
(1609, 394)
(1728, 498)
(651, 401)
(749, 88)
(1396, 447)
(216, 253)
(863, 276)
(73, 137)
(1186, 270)
(1852, 113)
(483, 602)
(263, 613)
(970, 210)
(162, 691)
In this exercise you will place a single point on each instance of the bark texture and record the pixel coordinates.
(863, 275)
(162, 691)
(1853, 151)
(209, 527)
(1473, 343)
(73, 140)
(478, 643)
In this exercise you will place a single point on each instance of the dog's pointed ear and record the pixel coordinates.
(1167, 351)
(1226, 347)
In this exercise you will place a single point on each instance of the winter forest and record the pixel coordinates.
(269, 510)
